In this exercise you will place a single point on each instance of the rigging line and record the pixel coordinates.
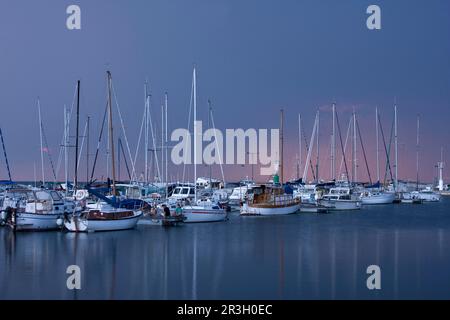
(307, 151)
(388, 162)
(58, 163)
(391, 137)
(62, 145)
(188, 127)
(98, 144)
(342, 146)
(139, 139)
(389, 148)
(82, 144)
(363, 150)
(124, 157)
(217, 146)
(48, 151)
(308, 156)
(123, 128)
(6, 157)
(345, 144)
(155, 154)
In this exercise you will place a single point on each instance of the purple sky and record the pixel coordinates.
(253, 57)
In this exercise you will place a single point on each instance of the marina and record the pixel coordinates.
(299, 256)
(281, 230)
(224, 150)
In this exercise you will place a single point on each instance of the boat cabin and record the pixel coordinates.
(183, 192)
(44, 201)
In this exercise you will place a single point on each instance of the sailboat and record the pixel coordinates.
(375, 193)
(108, 215)
(239, 194)
(25, 209)
(424, 195)
(271, 199)
(34, 210)
(374, 196)
(341, 198)
(201, 211)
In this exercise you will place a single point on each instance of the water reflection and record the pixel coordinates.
(295, 257)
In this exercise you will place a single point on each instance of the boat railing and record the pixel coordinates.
(282, 200)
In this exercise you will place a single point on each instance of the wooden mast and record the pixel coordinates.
(111, 137)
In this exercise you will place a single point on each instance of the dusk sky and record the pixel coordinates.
(253, 57)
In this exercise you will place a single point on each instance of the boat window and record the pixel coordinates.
(177, 191)
(55, 196)
(184, 191)
(42, 195)
(191, 191)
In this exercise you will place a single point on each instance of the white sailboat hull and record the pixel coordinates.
(77, 224)
(430, 197)
(382, 198)
(269, 211)
(36, 222)
(423, 196)
(201, 214)
(341, 204)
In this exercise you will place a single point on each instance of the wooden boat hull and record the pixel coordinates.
(260, 210)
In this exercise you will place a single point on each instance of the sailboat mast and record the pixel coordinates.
(166, 103)
(299, 145)
(194, 84)
(40, 135)
(146, 134)
(6, 156)
(87, 148)
(317, 146)
(76, 138)
(162, 142)
(333, 144)
(34, 172)
(209, 127)
(396, 147)
(377, 144)
(354, 178)
(111, 136)
(66, 157)
(281, 146)
(417, 153)
(119, 145)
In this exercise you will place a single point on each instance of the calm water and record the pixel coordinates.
(304, 256)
